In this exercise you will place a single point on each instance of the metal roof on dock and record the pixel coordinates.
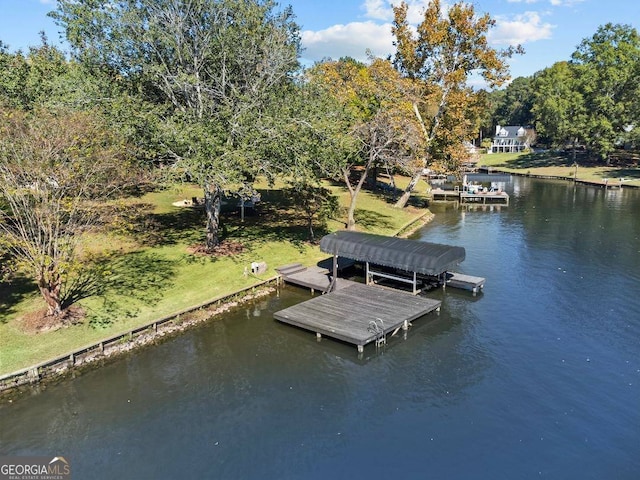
(410, 255)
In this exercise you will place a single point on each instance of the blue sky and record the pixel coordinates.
(549, 30)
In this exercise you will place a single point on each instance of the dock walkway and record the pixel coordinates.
(315, 278)
(358, 314)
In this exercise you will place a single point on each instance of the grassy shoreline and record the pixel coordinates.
(562, 166)
(151, 274)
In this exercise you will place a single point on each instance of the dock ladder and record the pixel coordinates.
(378, 331)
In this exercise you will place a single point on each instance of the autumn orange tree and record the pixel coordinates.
(55, 169)
(384, 130)
(439, 58)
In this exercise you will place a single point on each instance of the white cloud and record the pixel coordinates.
(377, 10)
(527, 27)
(565, 3)
(382, 9)
(355, 38)
(352, 39)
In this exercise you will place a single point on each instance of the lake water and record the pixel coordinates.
(538, 377)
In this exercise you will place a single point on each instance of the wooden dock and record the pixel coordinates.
(501, 198)
(315, 278)
(438, 194)
(484, 198)
(358, 314)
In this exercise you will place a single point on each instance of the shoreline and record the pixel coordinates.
(89, 357)
(614, 184)
(13, 384)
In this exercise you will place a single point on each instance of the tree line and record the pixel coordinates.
(212, 91)
(590, 101)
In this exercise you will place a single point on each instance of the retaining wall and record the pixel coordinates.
(121, 342)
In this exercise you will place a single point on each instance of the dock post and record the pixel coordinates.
(318, 336)
(360, 348)
(405, 325)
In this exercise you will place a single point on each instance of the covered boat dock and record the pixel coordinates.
(360, 314)
(405, 260)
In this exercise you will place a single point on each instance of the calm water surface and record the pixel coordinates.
(538, 377)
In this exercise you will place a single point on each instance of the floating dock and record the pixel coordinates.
(358, 314)
(466, 282)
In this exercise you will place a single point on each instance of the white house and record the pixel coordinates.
(509, 139)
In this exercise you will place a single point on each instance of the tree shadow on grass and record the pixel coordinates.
(370, 219)
(536, 160)
(629, 173)
(183, 225)
(12, 293)
(277, 220)
(121, 282)
(552, 159)
(274, 220)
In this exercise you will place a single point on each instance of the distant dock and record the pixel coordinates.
(358, 314)
(464, 197)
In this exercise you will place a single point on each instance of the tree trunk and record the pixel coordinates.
(312, 236)
(428, 136)
(351, 219)
(212, 203)
(353, 192)
(402, 201)
(51, 293)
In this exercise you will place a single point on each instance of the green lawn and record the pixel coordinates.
(147, 271)
(561, 165)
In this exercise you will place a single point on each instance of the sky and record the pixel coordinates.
(549, 30)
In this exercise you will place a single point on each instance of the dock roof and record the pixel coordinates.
(408, 255)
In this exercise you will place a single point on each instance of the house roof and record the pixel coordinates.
(511, 131)
(408, 255)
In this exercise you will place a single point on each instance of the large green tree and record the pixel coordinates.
(217, 63)
(514, 107)
(441, 55)
(607, 65)
(558, 106)
(28, 80)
